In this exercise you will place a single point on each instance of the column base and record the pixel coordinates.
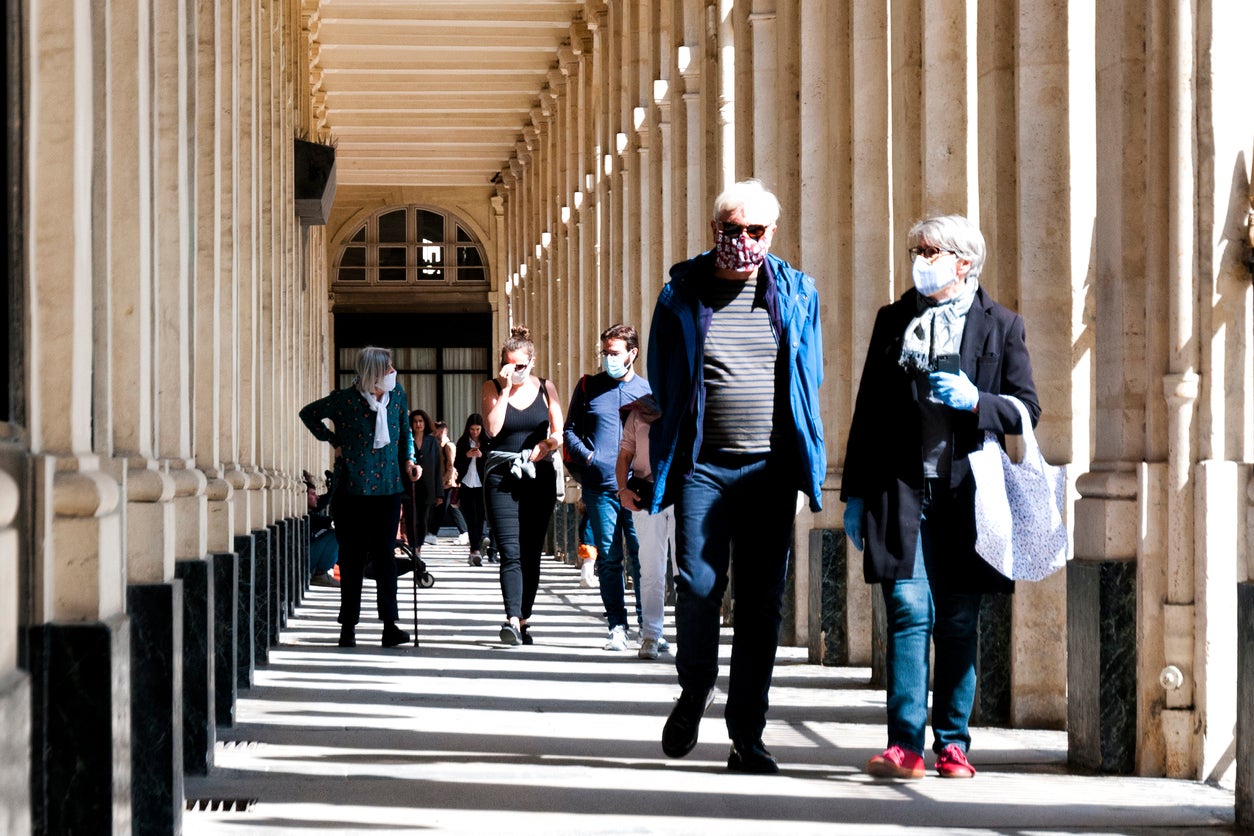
(1245, 706)
(199, 729)
(15, 753)
(156, 613)
(81, 726)
(1101, 665)
(227, 649)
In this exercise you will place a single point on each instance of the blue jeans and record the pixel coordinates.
(737, 511)
(611, 524)
(915, 615)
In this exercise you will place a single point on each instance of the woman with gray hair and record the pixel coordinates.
(939, 359)
(373, 448)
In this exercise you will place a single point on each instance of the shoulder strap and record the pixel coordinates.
(544, 390)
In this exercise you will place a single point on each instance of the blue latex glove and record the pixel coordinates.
(853, 521)
(954, 390)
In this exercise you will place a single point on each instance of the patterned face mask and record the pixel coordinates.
(741, 253)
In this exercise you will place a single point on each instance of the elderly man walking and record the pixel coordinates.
(735, 360)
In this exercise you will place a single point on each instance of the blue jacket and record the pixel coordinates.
(676, 343)
(594, 425)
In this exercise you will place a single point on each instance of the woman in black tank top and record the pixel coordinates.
(523, 425)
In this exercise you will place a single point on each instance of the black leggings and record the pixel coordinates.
(365, 527)
(519, 510)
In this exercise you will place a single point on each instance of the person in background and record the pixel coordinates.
(426, 488)
(656, 532)
(938, 359)
(523, 423)
(447, 509)
(324, 551)
(735, 360)
(594, 428)
(375, 452)
(468, 465)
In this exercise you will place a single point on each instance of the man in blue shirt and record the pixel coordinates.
(735, 360)
(594, 428)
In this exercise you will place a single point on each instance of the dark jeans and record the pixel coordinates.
(918, 615)
(737, 511)
(471, 501)
(445, 512)
(519, 510)
(366, 529)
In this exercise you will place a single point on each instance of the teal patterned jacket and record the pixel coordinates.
(367, 471)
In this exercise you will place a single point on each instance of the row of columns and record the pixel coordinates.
(174, 314)
(1054, 131)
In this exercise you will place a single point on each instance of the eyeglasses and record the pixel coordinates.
(734, 230)
(929, 252)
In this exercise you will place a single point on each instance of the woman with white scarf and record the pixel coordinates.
(939, 358)
(373, 448)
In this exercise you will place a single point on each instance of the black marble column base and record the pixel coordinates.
(246, 615)
(156, 612)
(992, 695)
(15, 752)
(833, 609)
(199, 666)
(1101, 665)
(264, 582)
(1245, 706)
(226, 646)
(80, 676)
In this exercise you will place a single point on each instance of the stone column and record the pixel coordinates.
(1056, 168)
(15, 683)
(764, 138)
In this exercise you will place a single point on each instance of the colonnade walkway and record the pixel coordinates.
(464, 735)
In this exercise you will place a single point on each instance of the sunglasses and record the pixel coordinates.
(520, 366)
(734, 230)
(929, 252)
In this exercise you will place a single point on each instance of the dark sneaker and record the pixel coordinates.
(526, 637)
(510, 634)
(679, 734)
(896, 762)
(348, 636)
(393, 636)
(752, 758)
(952, 763)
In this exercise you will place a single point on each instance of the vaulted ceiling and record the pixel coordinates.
(431, 92)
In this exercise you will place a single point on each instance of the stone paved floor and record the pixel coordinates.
(462, 735)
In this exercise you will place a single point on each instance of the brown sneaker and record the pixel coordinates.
(952, 763)
(896, 762)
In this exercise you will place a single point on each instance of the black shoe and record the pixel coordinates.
(752, 758)
(526, 637)
(393, 635)
(510, 634)
(348, 637)
(679, 734)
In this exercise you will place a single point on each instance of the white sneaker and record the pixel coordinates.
(663, 646)
(648, 649)
(463, 539)
(618, 639)
(430, 540)
(588, 574)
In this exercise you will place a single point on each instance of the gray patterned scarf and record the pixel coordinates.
(937, 329)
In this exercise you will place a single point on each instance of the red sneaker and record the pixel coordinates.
(952, 763)
(896, 762)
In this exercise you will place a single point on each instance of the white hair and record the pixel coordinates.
(372, 367)
(750, 195)
(955, 233)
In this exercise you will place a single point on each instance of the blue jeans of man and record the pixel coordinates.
(611, 525)
(917, 614)
(737, 512)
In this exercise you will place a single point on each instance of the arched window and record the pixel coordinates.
(411, 245)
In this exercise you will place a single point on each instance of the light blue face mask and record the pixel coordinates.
(933, 277)
(614, 366)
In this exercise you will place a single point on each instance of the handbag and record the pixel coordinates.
(643, 488)
(1020, 521)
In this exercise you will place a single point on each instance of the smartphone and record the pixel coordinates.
(948, 363)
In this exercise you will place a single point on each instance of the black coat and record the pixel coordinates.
(884, 458)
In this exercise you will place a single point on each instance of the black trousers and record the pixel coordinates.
(519, 510)
(366, 529)
(471, 500)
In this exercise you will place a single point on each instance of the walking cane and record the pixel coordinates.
(413, 574)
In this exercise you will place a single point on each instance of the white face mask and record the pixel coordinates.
(520, 375)
(389, 382)
(934, 276)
